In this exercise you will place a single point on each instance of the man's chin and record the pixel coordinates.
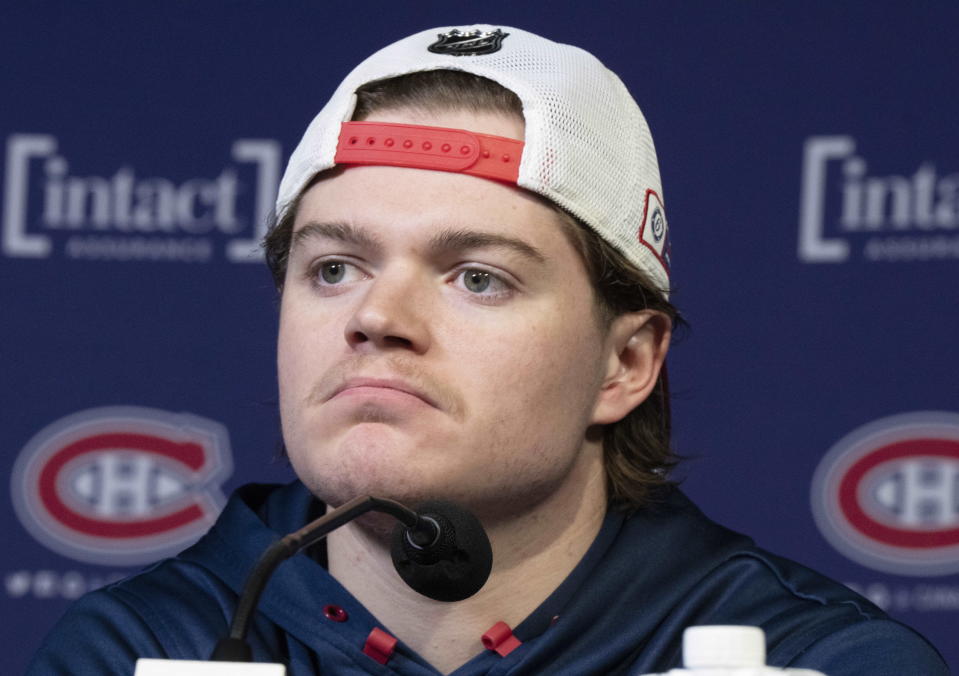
(337, 490)
(407, 498)
(376, 524)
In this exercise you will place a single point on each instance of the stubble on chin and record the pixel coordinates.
(371, 466)
(360, 469)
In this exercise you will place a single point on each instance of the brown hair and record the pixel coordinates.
(636, 449)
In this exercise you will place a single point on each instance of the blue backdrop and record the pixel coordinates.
(810, 161)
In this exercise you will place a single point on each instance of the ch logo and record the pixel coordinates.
(121, 485)
(659, 224)
(919, 491)
(887, 494)
(653, 232)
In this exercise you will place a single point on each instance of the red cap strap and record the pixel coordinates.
(438, 148)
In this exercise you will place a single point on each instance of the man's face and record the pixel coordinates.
(438, 337)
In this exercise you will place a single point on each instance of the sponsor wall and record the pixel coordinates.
(810, 164)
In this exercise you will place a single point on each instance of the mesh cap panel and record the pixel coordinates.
(588, 147)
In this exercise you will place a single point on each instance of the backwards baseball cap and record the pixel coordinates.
(587, 146)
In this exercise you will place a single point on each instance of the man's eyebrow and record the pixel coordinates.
(343, 232)
(456, 239)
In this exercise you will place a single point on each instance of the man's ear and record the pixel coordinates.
(636, 346)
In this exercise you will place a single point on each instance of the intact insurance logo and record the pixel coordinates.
(121, 486)
(53, 205)
(887, 494)
(847, 213)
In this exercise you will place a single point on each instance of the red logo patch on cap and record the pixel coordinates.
(121, 485)
(887, 494)
(654, 231)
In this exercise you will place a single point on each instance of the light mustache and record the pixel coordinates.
(386, 367)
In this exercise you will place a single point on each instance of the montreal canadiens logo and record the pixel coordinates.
(654, 231)
(887, 494)
(659, 224)
(121, 485)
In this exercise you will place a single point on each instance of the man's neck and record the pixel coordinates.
(532, 555)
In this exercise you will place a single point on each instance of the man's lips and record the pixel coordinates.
(359, 385)
(387, 377)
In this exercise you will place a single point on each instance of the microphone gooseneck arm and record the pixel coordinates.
(234, 648)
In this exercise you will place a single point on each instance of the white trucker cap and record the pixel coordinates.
(588, 148)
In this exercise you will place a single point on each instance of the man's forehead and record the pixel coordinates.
(440, 239)
(372, 194)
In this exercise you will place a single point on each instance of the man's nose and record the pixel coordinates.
(393, 313)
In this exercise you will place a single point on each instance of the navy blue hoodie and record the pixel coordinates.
(621, 611)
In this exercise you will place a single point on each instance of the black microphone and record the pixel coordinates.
(441, 552)
(454, 564)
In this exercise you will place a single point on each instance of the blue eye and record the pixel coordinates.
(477, 281)
(484, 285)
(333, 272)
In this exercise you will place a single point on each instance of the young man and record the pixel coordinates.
(474, 279)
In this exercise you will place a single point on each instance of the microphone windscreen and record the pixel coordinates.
(456, 565)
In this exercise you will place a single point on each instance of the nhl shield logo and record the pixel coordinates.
(470, 43)
(121, 485)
